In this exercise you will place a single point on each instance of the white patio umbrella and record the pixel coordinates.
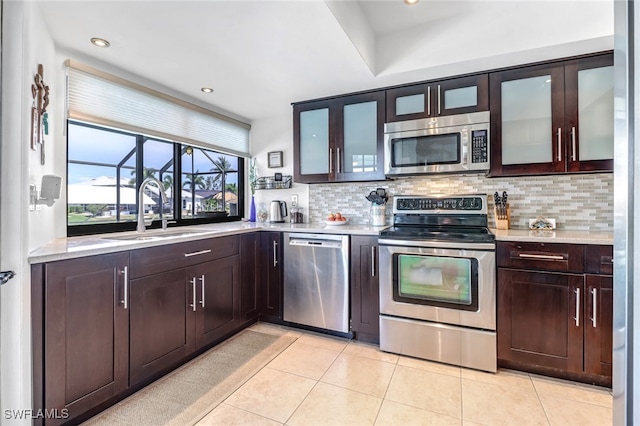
(89, 194)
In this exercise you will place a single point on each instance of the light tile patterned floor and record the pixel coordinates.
(323, 380)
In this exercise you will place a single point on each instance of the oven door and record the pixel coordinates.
(444, 285)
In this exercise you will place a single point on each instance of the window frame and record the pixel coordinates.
(178, 220)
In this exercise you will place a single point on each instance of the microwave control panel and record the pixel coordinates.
(479, 146)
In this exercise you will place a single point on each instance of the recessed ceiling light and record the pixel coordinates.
(410, 2)
(207, 89)
(100, 42)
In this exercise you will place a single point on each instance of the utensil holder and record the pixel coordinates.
(503, 221)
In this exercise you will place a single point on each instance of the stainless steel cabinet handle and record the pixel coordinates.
(202, 287)
(541, 256)
(373, 261)
(439, 106)
(429, 100)
(577, 317)
(125, 299)
(275, 254)
(197, 253)
(573, 144)
(594, 301)
(559, 137)
(193, 287)
(330, 160)
(338, 161)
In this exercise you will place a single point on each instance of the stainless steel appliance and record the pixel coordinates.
(277, 211)
(316, 280)
(449, 144)
(438, 281)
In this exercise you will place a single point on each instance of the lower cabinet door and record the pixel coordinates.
(365, 294)
(217, 286)
(86, 333)
(540, 318)
(162, 322)
(598, 345)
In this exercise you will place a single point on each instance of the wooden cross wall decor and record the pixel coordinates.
(39, 116)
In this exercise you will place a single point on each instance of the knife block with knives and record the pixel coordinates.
(502, 211)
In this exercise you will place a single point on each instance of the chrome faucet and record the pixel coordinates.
(141, 220)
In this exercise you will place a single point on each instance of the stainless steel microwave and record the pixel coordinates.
(449, 144)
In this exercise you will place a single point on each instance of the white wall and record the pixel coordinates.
(26, 44)
(275, 134)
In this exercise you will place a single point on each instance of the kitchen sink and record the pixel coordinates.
(152, 236)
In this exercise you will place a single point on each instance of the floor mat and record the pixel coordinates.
(187, 394)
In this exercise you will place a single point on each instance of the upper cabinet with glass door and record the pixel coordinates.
(553, 118)
(339, 139)
(447, 97)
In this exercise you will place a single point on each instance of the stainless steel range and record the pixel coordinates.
(437, 281)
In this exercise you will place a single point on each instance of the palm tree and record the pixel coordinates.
(222, 166)
(167, 182)
(193, 181)
(146, 172)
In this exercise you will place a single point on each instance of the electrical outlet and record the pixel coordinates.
(294, 200)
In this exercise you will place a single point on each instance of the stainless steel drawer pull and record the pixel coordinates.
(559, 136)
(541, 256)
(125, 299)
(202, 284)
(594, 301)
(193, 287)
(275, 254)
(573, 144)
(330, 160)
(197, 253)
(373, 261)
(577, 317)
(338, 161)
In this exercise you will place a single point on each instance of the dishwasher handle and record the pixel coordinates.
(316, 243)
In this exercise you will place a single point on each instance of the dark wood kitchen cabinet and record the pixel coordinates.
(599, 305)
(178, 311)
(365, 295)
(554, 316)
(250, 275)
(162, 323)
(555, 117)
(339, 139)
(459, 95)
(271, 271)
(81, 333)
(217, 293)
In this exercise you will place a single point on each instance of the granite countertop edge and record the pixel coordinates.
(74, 247)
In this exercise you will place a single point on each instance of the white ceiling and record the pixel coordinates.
(261, 55)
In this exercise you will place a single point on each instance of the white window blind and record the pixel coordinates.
(100, 98)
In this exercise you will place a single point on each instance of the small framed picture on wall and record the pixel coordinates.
(275, 159)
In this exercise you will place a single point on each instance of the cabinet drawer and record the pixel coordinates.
(172, 256)
(599, 259)
(541, 256)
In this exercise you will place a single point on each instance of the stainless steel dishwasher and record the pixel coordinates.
(316, 280)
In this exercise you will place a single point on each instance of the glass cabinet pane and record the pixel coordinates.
(410, 104)
(314, 141)
(360, 138)
(526, 121)
(595, 113)
(461, 97)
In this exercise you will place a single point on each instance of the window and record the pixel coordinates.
(105, 168)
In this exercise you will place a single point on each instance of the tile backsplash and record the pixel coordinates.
(577, 202)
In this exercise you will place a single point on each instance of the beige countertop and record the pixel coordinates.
(557, 236)
(73, 247)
